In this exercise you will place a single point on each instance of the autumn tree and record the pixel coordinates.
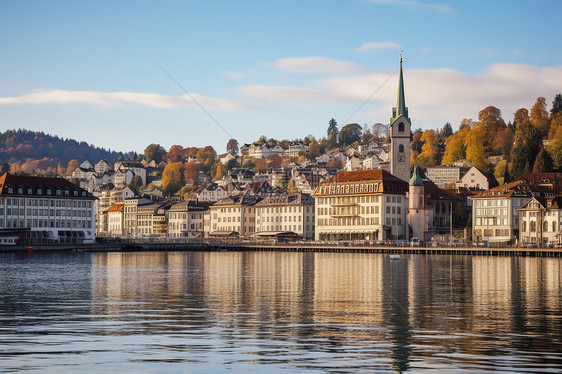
(206, 158)
(314, 149)
(555, 147)
(445, 132)
(543, 163)
(175, 154)
(527, 146)
(503, 142)
(191, 173)
(232, 147)
(173, 178)
(475, 150)
(274, 161)
(219, 171)
(540, 117)
(499, 171)
(491, 122)
(72, 164)
(428, 155)
(455, 148)
(350, 133)
(520, 116)
(154, 152)
(260, 164)
(367, 134)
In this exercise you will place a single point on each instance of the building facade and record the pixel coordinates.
(286, 213)
(46, 210)
(362, 205)
(400, 133)
(234, 215)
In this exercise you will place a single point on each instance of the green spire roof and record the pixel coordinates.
(401, 108)
(416, 179)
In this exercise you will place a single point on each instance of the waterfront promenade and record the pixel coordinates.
(233, 245)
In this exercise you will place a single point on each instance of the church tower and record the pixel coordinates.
(400, 131)
(416, 204)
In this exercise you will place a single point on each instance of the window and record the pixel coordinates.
(401, 148)
(401, 127)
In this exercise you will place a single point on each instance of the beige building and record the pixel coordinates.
(362, 205)
(475, 179)
(185, 219)
(541, 221)
(445, 174)
(286, 213)
(130, 209)
(234, 215)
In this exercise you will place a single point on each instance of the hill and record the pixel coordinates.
(36, 152)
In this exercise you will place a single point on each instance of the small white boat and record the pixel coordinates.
(394, 257)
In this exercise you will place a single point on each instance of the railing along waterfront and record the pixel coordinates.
(267, 244)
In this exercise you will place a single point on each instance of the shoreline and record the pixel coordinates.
(283, 247)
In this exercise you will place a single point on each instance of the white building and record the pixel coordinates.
(362, 205)
(115, 220)
(46, 210)
(185, 220)
(475, 179)
(286, 213)
(445, 174)
(541, 221)
(233, 215)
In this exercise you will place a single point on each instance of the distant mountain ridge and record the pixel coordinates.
(45, 151)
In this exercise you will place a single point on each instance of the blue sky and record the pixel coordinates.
(283, 69)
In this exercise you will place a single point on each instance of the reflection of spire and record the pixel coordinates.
(400, 108)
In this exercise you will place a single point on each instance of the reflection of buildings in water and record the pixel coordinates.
(491, 287)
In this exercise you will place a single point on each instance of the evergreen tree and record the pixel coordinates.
(543, 163)
(556, 105)
(527, 146)
(333, 128)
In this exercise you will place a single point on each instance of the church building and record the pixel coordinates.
(400, 134)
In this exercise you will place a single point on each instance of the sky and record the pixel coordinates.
(125, 74)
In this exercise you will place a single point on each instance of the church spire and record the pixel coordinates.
(400, 108)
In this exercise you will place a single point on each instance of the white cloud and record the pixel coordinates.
(415, 5)
(434, 96)
(114, 99)
(377, 46)
(318, 65)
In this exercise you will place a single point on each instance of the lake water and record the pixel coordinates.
(199, 312)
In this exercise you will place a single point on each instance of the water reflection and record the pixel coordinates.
(326, 312)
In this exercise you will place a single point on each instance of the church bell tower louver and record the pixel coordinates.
(400, 133)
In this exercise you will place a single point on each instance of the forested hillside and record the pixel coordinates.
(37, 152)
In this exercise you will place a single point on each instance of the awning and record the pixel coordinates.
(224, 233)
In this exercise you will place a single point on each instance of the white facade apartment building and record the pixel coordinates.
(362, 205)
(446, 174)
(541, 221)
(130, 211)
(115, 220)
(235, 214)
(286, 213)
(47, 209)
(185, 220)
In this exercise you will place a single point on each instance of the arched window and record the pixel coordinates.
(524, 226)
(533, 226)
(545, 226)
(401, 148)
(400, 127)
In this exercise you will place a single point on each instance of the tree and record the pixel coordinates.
(499, 171)
(154, 152)
(173, 178)
(314, 149)
(428, 155)
(491, 122)
(274, 161)
(475, 150)
(455, 148)
(232, 147)
(556, 106)
(527, 146)
(540, 117)
(350, 133)
(135, 184)
(543, 163)
(206, 157)
(367, 134)
(520, 116)
(260, 164)
(466, 122)
(191, 173)
(555, 147)
(231, 164)
(332, 128)
(72, 164)
(445, 132)
(175, 154)
(503, 142)
(219, 171)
